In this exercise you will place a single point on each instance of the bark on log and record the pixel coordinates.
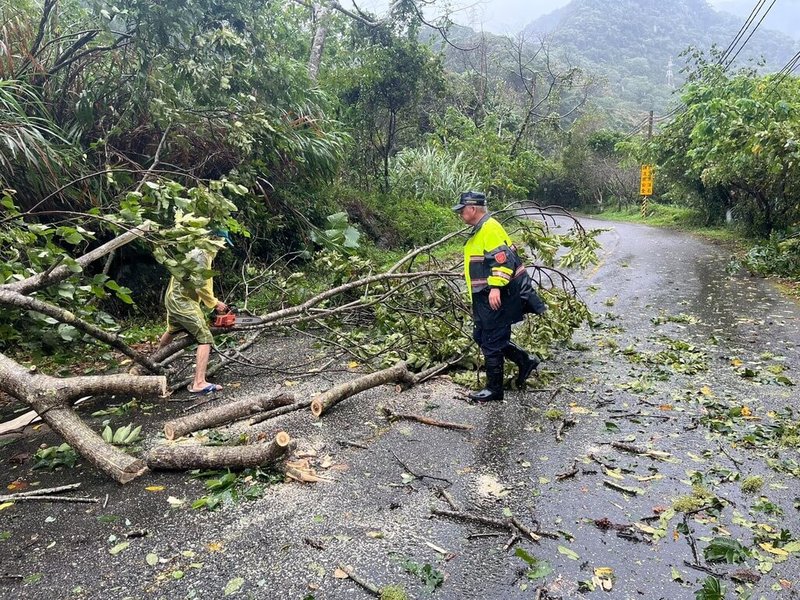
(227, 413)
(109, 459)
(399, 373)
(174, 457)
(51, 398)
(280, 411)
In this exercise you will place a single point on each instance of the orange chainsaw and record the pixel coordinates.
(234, 318)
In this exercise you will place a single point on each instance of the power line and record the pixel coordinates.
(737, 38)
(730, 62)
(787, 70)
(741, 31)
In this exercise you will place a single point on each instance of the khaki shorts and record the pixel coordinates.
(184, 314)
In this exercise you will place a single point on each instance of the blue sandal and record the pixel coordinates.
(209, 389)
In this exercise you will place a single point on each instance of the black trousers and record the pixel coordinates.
(492, 341)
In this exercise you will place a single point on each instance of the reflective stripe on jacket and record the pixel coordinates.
(491, 261)
(489, 258)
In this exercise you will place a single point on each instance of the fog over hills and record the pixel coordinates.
(510, 16)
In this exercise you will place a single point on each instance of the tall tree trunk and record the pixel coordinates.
(322, 13)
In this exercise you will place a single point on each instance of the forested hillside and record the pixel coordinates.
(630, 43)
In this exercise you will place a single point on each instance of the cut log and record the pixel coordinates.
(175, 457)
(224, 414)
(51, 397)
(399, 373)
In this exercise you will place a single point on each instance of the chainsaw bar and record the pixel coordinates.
(235, 319)
(242, 321)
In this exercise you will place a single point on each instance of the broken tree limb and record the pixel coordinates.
(280, 411)
(61, 272)
(657, 454)
(77, 499)
(45, 491)
(423, 376)
(227, 413)
(505, 524)
(399, 373)
(23, 302)
(51, 398)
(175, 457)
(396, 416)
(562, 425)
(367, 585)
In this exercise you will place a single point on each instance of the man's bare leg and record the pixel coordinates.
(165, 340)
(200, 383)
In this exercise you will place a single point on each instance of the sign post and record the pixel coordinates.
(646, 186)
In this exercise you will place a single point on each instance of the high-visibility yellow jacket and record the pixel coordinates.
(491, 261)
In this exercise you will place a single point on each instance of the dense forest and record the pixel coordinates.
(308, 128)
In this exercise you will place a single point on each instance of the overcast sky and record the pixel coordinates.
(498, 16)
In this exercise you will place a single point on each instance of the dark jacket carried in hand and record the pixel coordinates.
(491, 261)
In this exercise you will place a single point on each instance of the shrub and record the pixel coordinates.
(430, 174)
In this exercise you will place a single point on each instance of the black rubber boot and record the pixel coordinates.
(527, 363)
(494, 382)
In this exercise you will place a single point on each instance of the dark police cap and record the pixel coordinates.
(470, 199)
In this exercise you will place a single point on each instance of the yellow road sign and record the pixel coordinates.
(646, 182)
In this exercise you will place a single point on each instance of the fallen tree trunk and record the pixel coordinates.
(51, 397)
(399, 373)
(61, 272)
(180, 458)
(224, 414)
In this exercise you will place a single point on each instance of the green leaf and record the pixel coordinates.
(538, 568)
(711, 590)
(568, 553)
(725, 549)
(152, 559)
(234, 585)
(118, 548)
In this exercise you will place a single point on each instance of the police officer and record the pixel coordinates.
(501, 294)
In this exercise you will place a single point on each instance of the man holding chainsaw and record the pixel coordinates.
(184, 313)
(501, 292)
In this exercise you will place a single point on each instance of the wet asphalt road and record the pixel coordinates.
(724, 343)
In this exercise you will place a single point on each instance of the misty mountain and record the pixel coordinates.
(630, 44)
